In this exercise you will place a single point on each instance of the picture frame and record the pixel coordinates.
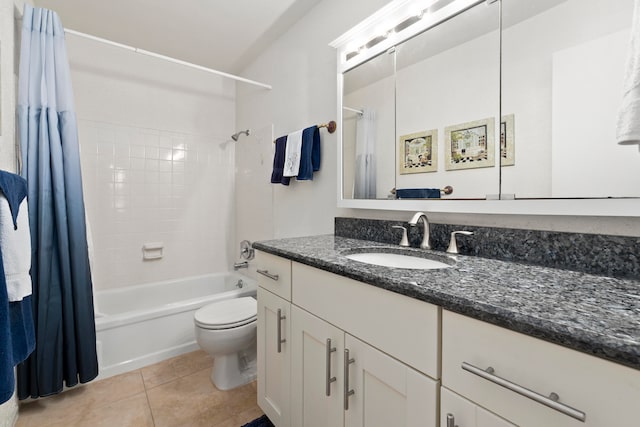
(418, 152)
(507, 138)
(469, 145)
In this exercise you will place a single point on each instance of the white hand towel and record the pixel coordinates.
(628, 126)
(292, 154)
(16, 250)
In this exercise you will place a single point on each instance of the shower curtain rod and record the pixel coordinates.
(353, 110)
(167, 58)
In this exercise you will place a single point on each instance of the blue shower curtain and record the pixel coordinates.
(65, 351)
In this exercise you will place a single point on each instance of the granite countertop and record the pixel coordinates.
(597, 315)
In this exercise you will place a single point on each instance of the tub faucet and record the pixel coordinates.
(426, 241)
(238, 265)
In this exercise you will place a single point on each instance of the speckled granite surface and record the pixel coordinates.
(597, 315)
(616, 256)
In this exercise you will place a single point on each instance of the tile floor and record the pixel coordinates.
(175, 392)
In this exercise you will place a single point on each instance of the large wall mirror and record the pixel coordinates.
(510, 99)
(563, 65)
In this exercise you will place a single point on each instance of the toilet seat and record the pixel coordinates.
(227, 314)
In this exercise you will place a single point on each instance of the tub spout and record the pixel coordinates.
(238, 265)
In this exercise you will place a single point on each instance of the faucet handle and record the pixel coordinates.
(405, 240)
(453, 245)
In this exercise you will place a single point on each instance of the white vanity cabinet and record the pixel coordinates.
(274, 337)
(391, 340)
(338, 380)
(383, 353)
(534, 383)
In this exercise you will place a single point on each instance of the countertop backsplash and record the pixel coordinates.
(614, 256)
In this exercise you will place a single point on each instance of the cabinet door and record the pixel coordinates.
(465, 413)
(385, 391)
(274, 364)
(316, 400)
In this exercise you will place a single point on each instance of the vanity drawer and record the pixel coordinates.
(405, 328)
(274, 274)
(607, 393)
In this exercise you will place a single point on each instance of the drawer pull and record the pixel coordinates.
(552, 401)
(269, 275)
(329, 349)
(451, 421)
(279, 331)
(348, 391)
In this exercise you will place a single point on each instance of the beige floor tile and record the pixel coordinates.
(188, 401)
(131, 412)
(241, 399)
(177, 367)
(193, 362)
(176, 392)
(88, 397)
(248, 415)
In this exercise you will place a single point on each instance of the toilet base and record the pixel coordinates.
(234, 370)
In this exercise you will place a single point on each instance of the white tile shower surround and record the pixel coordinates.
(148, 185)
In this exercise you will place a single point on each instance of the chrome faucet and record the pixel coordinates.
(238, 265)
(426, 241)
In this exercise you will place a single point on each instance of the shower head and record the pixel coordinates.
(235, 136)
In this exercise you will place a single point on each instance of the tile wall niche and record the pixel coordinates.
(157, 164)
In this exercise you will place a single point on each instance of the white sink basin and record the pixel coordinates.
(397, 260)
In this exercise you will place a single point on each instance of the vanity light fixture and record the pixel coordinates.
(408, 22)
(415, 13)
(415, 17)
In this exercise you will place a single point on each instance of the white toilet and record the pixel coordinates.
(227, 331)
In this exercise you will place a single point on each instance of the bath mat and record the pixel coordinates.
(263, 421)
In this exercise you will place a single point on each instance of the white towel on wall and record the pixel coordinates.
(16, 250)
(628, 126)
(292, 154)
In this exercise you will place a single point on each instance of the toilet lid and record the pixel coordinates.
(227, 314)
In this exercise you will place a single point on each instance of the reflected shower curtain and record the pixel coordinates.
(364, 186)
(62, 290)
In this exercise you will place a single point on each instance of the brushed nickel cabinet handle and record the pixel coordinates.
(347, 391)
(330, 379)
(279, 334)
(451, 421)
(267, 274)
(552, 401)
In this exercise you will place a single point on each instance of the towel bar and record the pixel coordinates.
(331, 127)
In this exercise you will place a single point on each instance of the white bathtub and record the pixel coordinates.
(140, 325)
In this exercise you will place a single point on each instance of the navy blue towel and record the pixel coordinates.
(278, 162)
(14, 188)
(310, 153)
(418, 193)
(17, 335)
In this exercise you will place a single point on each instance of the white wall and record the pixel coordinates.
(157, 163)
(302, 70)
